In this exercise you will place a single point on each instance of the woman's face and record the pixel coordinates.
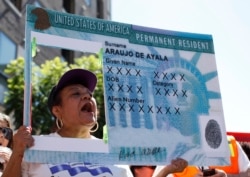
(78, 108)
(3, 141)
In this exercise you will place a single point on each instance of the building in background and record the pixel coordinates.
(12, 29)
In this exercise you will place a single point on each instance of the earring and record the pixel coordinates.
(97, 126)
(59, 123)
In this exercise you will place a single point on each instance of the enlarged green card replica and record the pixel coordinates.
(162, 95)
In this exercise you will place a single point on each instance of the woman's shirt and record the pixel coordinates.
(74, 169)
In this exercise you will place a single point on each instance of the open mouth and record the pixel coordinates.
(87, 107)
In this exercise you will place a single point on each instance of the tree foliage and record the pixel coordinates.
(43, 78)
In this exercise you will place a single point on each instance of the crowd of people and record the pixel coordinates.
(72, 104)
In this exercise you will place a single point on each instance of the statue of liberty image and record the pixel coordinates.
(183, 97)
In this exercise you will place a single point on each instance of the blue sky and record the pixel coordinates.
(227, 21)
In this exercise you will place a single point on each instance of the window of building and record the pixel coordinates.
(100, 9)
(7, 49)
(17, 4)
(69, 6)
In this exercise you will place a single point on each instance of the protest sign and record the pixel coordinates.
(161, 89)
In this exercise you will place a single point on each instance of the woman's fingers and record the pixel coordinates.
(23, 138)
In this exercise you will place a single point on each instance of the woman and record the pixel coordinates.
(6, 136)
(72, 104)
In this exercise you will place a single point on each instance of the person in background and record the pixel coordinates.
(239, 166)
(6, 138)
(189, 171)
(72, 103)
(246, 148)
(142, 171)
(240, 163)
